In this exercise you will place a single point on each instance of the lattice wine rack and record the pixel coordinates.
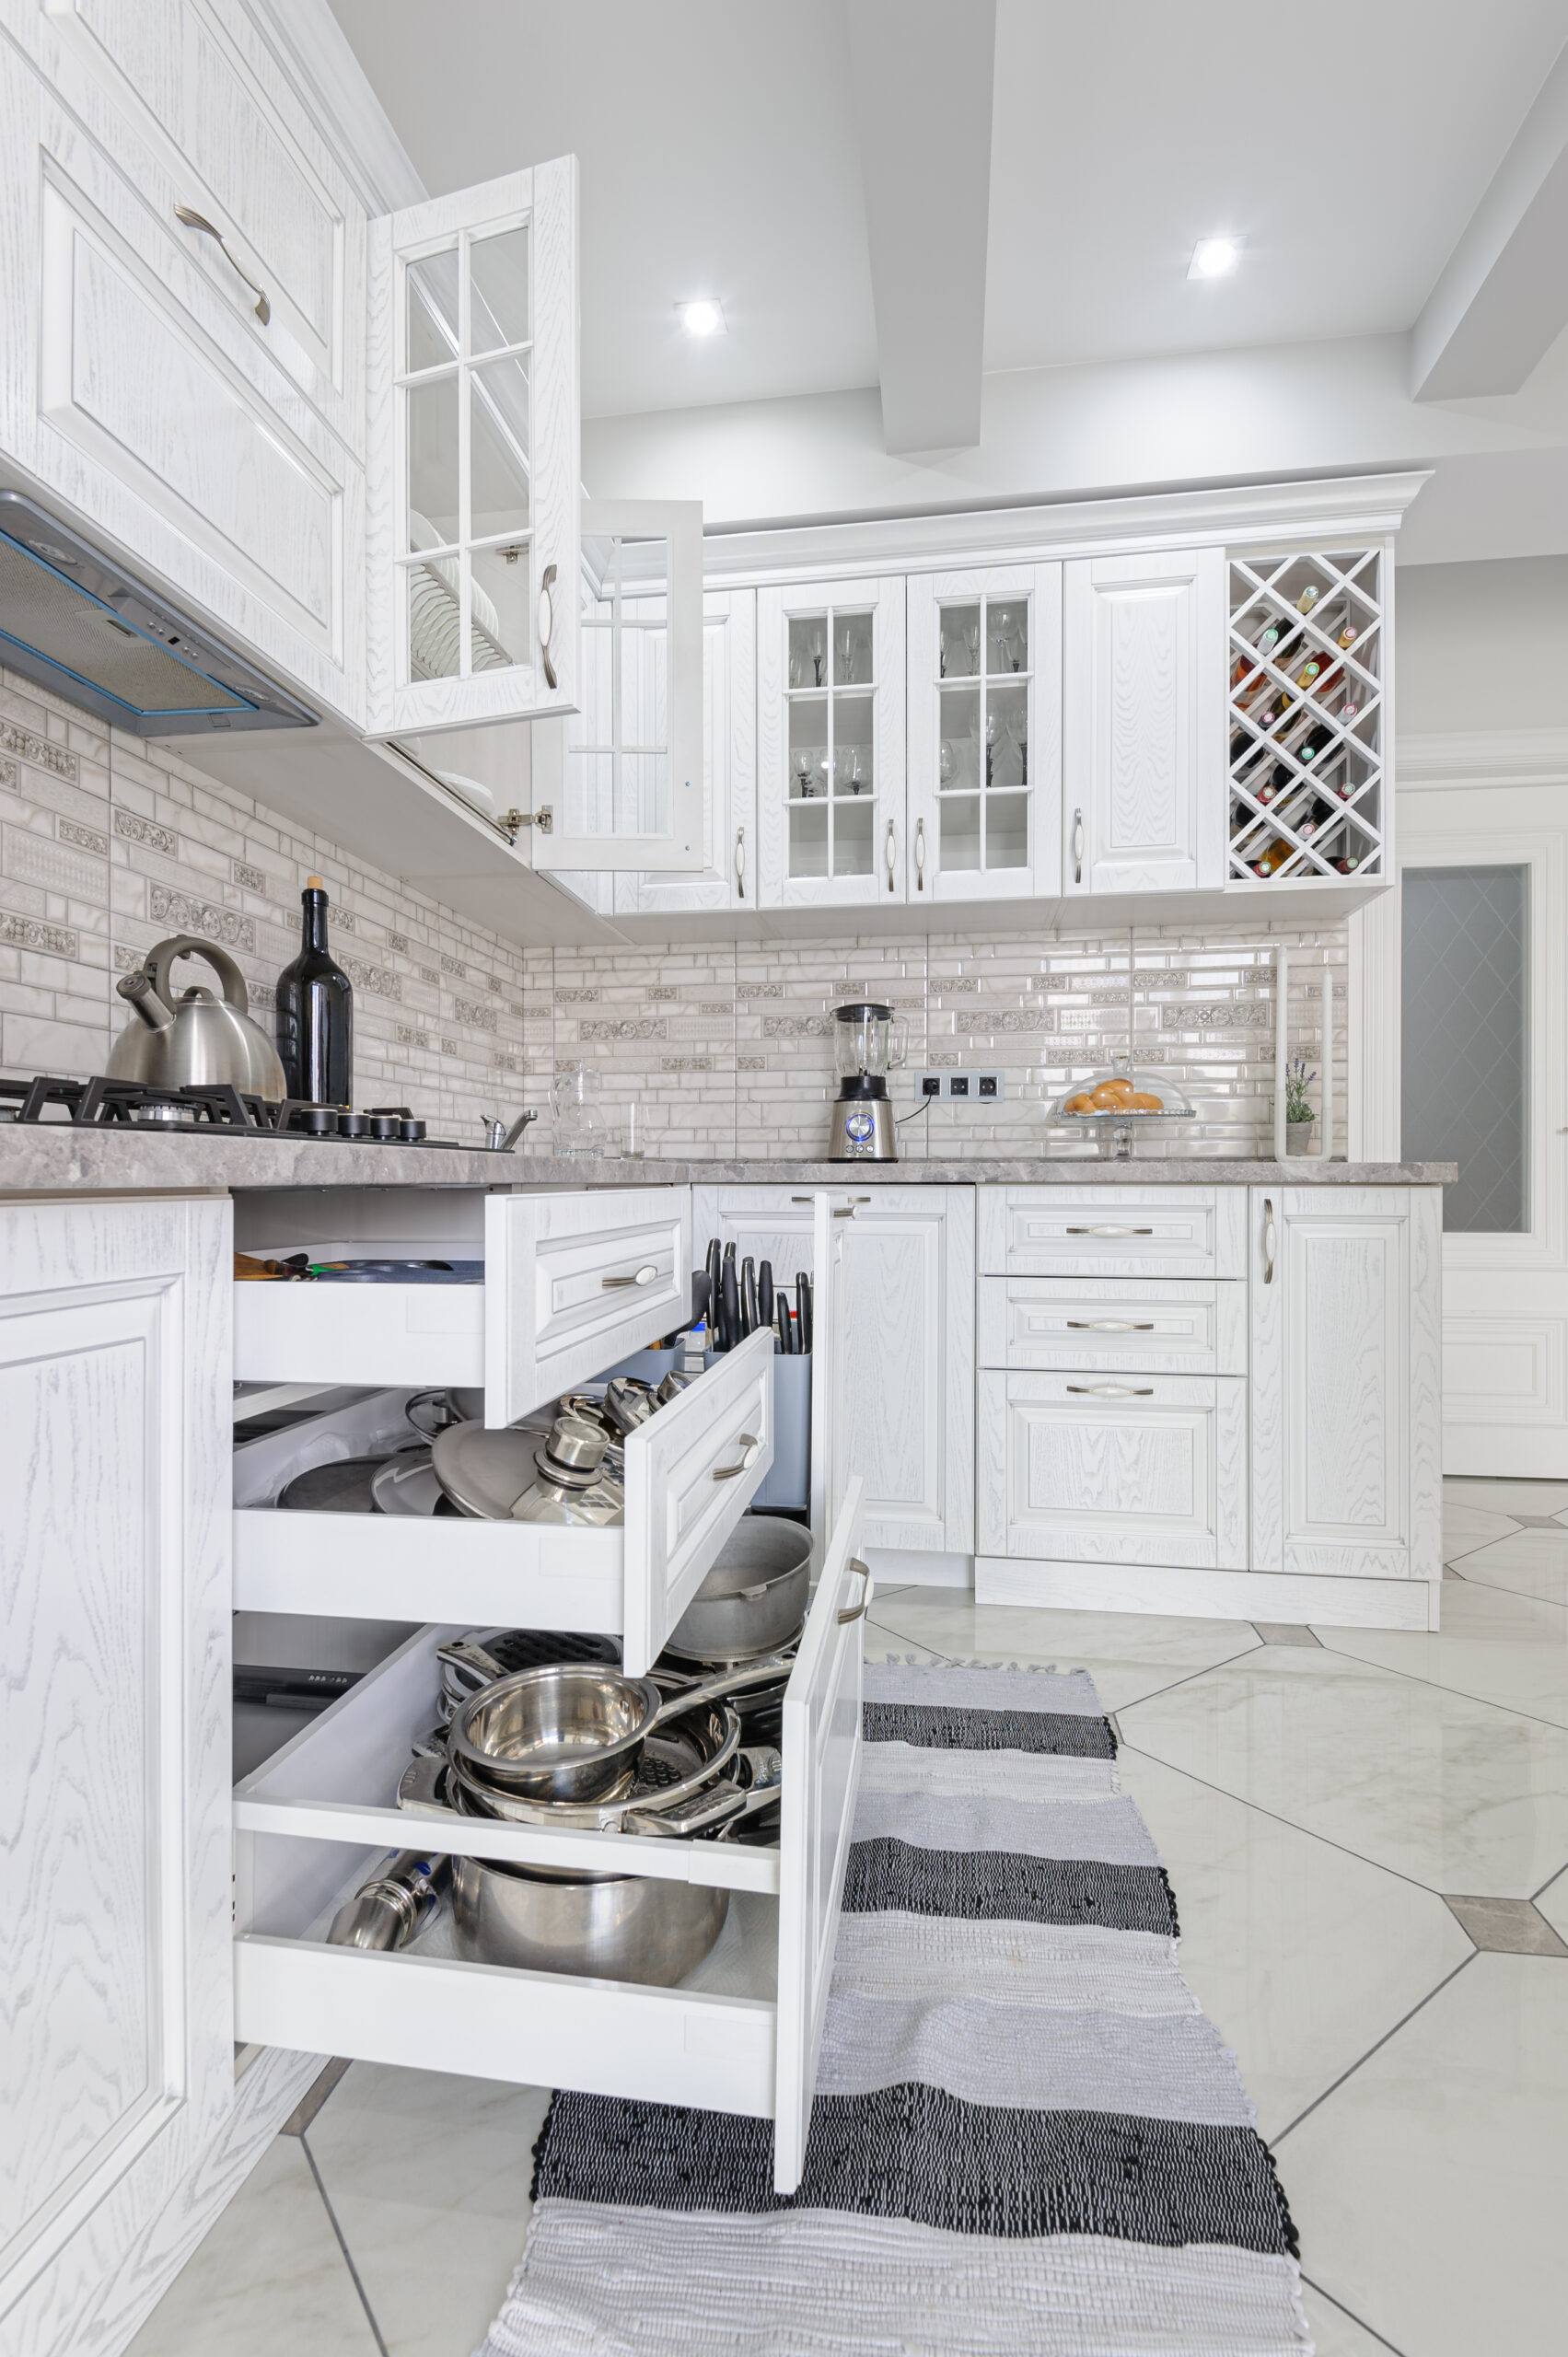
(1305, 717)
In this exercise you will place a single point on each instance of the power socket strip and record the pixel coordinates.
(978, 1085)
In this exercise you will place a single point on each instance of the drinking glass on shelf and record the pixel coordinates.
(633, 1133)
(846, 651)
(795, 670)
(855, 771)
(825, 763)
(817, 650)
(941, 652)
(804, 787)
(994, 737)
(972, 643)
(946, 767)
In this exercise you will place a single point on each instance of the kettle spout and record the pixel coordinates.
(138, 989)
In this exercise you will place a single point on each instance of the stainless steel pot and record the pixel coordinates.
(754, 1598)
(621, 1927)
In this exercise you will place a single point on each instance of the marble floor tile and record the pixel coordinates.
(1528, 1562)
(1335, 2333)
(1301, 1954)
(1129, 1654)
(428, 2177)
(1467, 1527)
(269, 2275)
(1455, 1792)
(1506, 1926)
(1502, 1497)
(1493, 1644)
(1430, 2188)
(1552, 1902)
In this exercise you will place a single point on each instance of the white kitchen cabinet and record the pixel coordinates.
(473, 541)
(1113, 1468)
(138, 391)
(906, 1423)
(118, 2076)
(831, 744)
(1126, 1230)
(1175, 1325)
(725, 876)
(1143, 680)
(1346, 1380)
(741, 2034)
(984, 741)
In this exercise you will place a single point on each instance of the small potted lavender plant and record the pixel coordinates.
(1299, 1116)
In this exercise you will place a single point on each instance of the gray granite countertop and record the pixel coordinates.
(55, 1158)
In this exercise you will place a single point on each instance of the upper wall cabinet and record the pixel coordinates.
(1143, 656)
(984, 669)
(728, 875)
(474, 537)
(831, 744)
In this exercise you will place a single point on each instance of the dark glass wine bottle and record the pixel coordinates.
(315, 1013)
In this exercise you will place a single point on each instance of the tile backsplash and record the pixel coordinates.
(107, 845)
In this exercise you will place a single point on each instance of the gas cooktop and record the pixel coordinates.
(101, 1103)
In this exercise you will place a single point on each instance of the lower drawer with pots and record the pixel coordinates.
(1132, 1468)
(740, 2033)
(692, 1470)
(1172, 1325)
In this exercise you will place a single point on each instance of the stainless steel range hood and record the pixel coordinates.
(76, 621)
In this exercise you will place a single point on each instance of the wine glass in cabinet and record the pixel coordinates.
(984, 734)
(831, 744)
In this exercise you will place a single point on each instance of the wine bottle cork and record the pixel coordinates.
(314, 884)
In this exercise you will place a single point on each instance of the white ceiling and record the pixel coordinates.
(720, 156)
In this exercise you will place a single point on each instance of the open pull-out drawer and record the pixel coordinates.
(572, 1283)
(692, 1470)
(741, 2035)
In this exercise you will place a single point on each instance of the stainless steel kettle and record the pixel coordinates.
(200, 1038)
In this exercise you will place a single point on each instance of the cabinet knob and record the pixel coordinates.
(190, 219)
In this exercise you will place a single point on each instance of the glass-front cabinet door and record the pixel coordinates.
(831, 744)
(984, 734)
(473, 456)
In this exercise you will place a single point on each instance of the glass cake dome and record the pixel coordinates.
(1114, 1105)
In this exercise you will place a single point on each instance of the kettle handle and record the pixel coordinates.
(190, 945)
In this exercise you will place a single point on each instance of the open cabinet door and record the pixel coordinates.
(829, 1465)
(474, 456)
(623, 777)
(821, 1776)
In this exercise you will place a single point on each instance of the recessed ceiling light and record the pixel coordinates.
(703, 317)
(1214, 257)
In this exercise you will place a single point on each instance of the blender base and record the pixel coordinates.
(862, 1130)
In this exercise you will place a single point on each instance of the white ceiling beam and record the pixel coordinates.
(1501, 297)
(921, 73)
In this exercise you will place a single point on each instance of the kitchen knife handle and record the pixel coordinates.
(803, 1295)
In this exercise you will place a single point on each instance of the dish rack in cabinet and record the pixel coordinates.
(741, 2034)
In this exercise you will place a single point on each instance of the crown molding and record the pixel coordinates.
(1461, 757)
(316, 54)
(1363, 506)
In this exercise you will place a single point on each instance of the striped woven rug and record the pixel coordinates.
(1027, 2137)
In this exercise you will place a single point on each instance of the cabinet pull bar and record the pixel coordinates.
(1109, 1231)
(192, 219)
(1110, 1326)
(855, 1611)
(749, 1446)
(920, 854)
(1114, 1390)
(811, 1199)
(891, 856)
(1077, 846)
(1268, 1241)
(547, 622)
(741, 863)
(645, 1276)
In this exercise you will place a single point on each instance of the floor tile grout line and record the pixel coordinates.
(1327, 2296)
(1418, 1677)
(1463, 1965)
(1310, 1832)
(1496, 1589)
(343, 2244)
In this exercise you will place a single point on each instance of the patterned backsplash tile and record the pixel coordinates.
(107, 845)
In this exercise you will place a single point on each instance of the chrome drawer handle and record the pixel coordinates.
(741, 862)
(1077, 846)
(1113, 1390)
(547, 622)
(748, 1448)
(644, 1277)
(856, 1612)
(1109, 1326)
(1268, 1241)
(1109, 1231)
(190, 219)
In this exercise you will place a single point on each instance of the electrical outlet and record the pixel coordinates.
(930, 1083)
(959, 1084)
(988, 1086)
(968, 1087)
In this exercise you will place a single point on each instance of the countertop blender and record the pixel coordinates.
(868, 1043)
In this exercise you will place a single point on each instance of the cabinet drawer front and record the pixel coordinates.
(575, 1282)
(1126, 1468)
(1175, 1326)
(1112, 1231)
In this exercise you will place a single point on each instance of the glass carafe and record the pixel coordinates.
(575, 1103)
(869, 1041)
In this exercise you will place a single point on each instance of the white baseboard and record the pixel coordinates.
(912, 1567)
(1208, 1596)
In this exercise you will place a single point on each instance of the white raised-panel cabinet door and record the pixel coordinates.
(821, 1752)
(1142, 789)
(728, 877)
(573, 1284)
(984, 669)
(117, 2067)
(621, 779)
(1345, 1317)
(473, 456)
(830, 745)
